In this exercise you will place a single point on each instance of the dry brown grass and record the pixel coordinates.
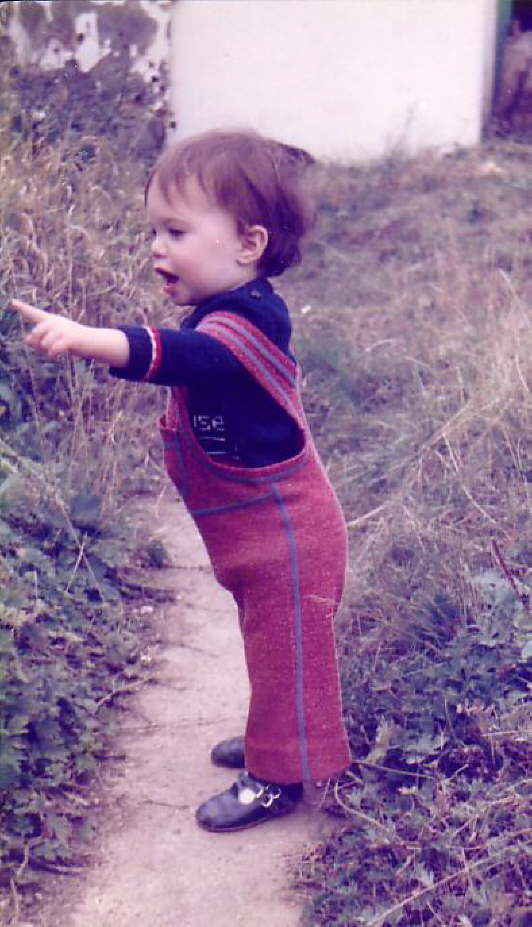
(417, 349)
(416, 344)
(75, 239)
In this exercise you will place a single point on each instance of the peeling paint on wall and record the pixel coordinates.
(90, 68)
(48, 33)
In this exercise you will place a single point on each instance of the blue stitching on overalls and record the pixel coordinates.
(298, 626)
(232, 506)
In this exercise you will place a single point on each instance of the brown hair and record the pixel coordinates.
(257, 180)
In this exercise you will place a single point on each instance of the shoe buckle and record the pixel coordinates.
(270, 796)
(246, 795)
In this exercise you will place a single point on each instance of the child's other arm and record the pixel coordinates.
(54, 335)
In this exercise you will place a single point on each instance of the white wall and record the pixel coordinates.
(348, 79)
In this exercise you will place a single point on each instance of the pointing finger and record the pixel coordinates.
(31, 313)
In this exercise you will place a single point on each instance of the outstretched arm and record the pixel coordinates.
(54, 335)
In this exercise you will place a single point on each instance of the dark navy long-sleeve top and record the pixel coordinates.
(232, 416)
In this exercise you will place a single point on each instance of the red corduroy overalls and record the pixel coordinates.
(276, 538)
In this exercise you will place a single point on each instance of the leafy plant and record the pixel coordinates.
(66, 653)
(73, 447)
(437, 827)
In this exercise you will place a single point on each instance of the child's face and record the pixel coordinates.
(196, 248)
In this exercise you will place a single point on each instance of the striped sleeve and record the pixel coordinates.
(156, 354)
(144, 353)
(176, 358)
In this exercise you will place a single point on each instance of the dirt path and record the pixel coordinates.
(156, 867)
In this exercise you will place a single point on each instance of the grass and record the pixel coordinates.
(416, 350)
(413, 328)
(74, 447)
(69, 244)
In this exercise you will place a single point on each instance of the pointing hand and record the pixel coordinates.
(51, 334)
(54, 335)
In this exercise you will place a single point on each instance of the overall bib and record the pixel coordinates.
(276, 539)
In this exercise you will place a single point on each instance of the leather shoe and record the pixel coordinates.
(248, 802)
(229, 753)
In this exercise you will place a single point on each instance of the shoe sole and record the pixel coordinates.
(231, 830)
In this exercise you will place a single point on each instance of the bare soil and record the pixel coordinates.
(154, 866)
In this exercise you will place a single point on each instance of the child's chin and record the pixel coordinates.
(171, 290)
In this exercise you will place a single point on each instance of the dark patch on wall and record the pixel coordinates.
(60, 26)
(33, 18)
(72, 8)
(108, 101)
(125, 25)
(122, 25)
(6, 12)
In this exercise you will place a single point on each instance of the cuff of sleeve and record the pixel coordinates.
(144, 354)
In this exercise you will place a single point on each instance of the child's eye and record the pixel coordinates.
(175, 233)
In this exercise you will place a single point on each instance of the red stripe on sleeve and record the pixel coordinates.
(156, 353)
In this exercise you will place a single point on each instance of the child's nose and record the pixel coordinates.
(157, 247)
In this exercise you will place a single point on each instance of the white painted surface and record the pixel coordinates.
(347, 79)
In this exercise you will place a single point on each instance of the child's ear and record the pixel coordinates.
(253, 242)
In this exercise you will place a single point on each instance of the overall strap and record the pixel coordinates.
(267, 364)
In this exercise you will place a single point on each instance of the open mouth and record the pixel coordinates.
(168, 278)
(170, 281)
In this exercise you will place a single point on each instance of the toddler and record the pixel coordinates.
(228, 211)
